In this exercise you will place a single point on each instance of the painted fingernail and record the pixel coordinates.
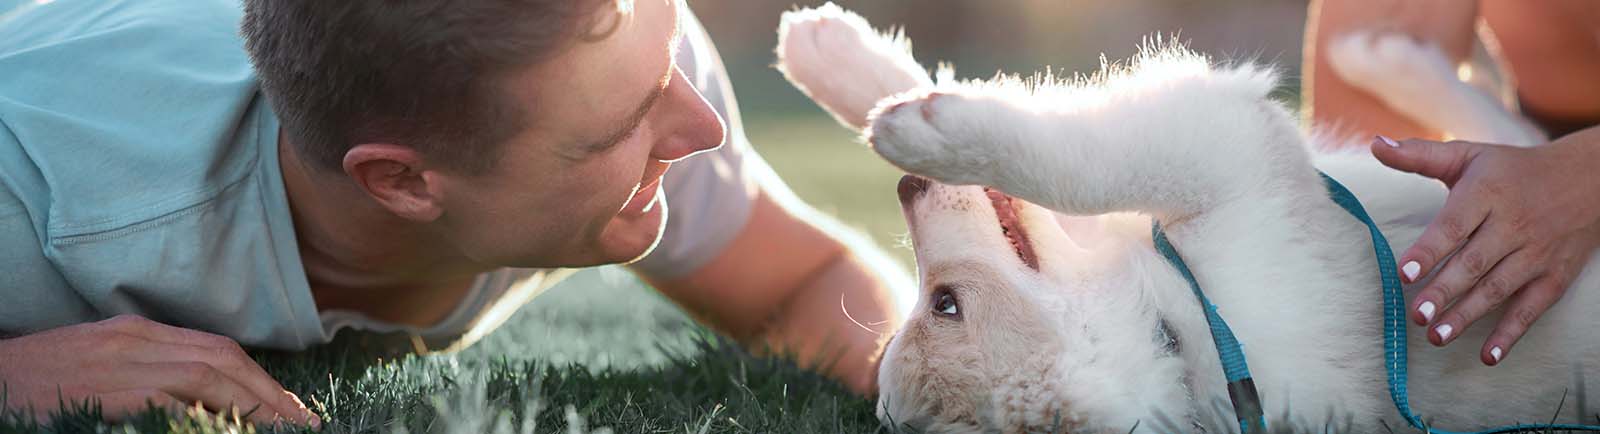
(1426, 309)
(1444, 332)
(1388, 141)
(1495, 353)
(1411, 269)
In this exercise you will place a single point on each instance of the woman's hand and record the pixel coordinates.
(1520, 223)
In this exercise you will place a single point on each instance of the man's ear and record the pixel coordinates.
(396, 178)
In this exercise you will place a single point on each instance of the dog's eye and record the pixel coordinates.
(944, 303)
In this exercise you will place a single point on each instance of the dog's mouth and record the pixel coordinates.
(1005, 210)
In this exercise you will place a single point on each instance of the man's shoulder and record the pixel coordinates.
(134, 136)
(65, 26)
(121, 111)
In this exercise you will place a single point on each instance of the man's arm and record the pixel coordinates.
(746, 257)
(793, 281)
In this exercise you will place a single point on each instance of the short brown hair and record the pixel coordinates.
(422, 73)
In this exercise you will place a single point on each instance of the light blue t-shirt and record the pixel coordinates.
(139, 174)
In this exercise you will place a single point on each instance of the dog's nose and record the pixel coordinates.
(911, 187)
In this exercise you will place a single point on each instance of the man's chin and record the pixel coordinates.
(628, 239)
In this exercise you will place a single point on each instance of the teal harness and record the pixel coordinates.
(1241, 389)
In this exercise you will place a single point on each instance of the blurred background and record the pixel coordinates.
(605, 319)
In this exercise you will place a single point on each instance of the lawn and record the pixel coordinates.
(598, 352)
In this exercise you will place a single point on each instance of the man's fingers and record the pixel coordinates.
(1524, 308)
(200, 382)
(155, 331)
(197, 381)
(1443, 161)
(177, 344)
(119, 405)
(1506, 277)
(237, 366)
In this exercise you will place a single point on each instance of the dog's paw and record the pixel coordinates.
(835, 57)
(939, 135)
(1390, 65)
(809, 40)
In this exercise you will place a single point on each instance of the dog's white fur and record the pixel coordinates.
(1077, 345)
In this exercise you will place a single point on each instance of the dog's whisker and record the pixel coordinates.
(858, 323)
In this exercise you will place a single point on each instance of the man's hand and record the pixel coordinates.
(1521, 223)
(128, 363)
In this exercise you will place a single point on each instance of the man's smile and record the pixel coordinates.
(646, 194)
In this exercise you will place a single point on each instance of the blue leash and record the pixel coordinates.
(1241, 390)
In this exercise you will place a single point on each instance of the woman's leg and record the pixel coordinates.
(1553, 48)
(1329, 101)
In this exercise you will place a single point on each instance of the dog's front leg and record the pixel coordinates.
(1172, 146)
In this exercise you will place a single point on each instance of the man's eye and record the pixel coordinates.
(945, 304)
(612, 143)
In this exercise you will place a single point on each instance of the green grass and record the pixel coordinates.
(599, 351)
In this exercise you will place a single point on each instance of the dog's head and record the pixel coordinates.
(1019, 327)
(1027, 321)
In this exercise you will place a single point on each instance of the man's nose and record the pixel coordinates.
(692, 125)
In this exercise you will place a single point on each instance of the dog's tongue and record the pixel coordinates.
(1010, 225)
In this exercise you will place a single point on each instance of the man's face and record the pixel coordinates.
(581, 185)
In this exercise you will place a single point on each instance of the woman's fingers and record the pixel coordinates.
(1456, 222)
(1499, 284)
(1462, 215)
(1444, 161)
(1523, 309)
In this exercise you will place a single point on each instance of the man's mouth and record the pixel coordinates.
(643, 200)
(647, 193)
(1005, 210)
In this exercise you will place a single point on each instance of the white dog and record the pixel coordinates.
(1033, 322)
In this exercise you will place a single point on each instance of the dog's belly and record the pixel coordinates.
(1450, 387)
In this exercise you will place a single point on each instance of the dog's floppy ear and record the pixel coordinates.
(835, 57)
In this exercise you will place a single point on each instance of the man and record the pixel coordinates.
(390, 166)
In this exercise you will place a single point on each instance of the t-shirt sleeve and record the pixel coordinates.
(36, 296)
(709, 196)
